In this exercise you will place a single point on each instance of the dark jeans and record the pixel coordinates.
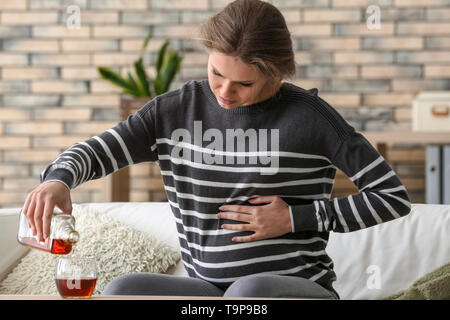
(258, 285)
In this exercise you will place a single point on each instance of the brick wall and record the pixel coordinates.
(51, 95)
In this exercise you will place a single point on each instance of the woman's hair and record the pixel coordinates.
(254, 31)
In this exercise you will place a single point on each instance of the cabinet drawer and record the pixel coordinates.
(431, 112)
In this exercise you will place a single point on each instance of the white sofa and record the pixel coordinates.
(370, 264)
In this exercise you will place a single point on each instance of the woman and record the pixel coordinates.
(253, 209)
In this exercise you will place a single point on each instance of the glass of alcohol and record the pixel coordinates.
(75, 277)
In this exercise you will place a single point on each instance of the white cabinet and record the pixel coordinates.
(431, 112)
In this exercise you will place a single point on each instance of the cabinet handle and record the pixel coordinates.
(440, 110)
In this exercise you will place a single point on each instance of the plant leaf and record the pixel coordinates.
(157, 86)
(116, 79)
(132, 81)
(161, 56)
(140, 85)
(146, 42)
(142, 79)
(170, 68)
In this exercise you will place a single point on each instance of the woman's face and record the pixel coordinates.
(235, 83)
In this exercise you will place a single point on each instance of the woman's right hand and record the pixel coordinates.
(39, 205)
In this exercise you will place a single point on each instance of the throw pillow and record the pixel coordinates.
(433, 286)
(117, 247)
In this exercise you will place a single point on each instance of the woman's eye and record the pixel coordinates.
(242, 84)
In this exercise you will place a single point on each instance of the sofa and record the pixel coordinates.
(373, 263)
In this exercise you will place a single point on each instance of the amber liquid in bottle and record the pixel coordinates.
(78, 288)
(61, 239)
(55, 246)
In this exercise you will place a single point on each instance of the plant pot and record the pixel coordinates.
(130, 104)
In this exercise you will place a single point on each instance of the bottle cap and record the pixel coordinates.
(74, 236)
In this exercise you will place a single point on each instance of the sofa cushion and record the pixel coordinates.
(377, 262)
(155, 218)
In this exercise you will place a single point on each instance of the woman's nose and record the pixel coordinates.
(226, 91)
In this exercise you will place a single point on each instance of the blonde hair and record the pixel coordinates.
(255, 32)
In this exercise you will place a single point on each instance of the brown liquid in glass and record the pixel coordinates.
(78, 288)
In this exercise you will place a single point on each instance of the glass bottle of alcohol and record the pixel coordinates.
(62, 234)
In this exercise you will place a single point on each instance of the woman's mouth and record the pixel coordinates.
(226, 101)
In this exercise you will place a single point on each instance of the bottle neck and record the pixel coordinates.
(73, 236)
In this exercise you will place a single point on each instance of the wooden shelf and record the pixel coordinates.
(382, 139)
(407, 137)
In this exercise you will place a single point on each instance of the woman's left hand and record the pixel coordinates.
(268, 221)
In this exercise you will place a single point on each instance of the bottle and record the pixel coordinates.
(62, 234)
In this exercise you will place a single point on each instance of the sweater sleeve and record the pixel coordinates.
(130, 141)
(381, 197)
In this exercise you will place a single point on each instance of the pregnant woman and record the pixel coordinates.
(248, 162)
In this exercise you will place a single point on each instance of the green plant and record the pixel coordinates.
(140, 84)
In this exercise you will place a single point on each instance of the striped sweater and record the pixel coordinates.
(289, 145)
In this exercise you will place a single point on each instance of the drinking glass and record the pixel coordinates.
(75, 277)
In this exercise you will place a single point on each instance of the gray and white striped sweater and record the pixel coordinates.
(289, 145)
